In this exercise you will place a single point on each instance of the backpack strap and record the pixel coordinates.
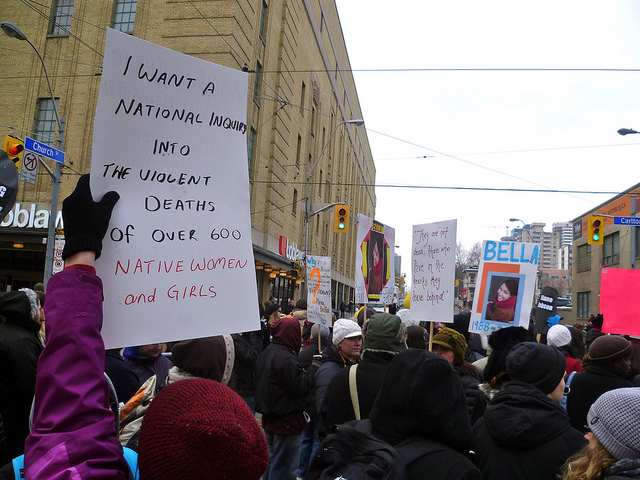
(353, 390)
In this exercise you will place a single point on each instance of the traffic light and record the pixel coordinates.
(596, 230)
(13, 147)
(341, 219)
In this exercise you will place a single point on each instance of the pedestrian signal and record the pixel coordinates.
(596, 230)
(341, 219)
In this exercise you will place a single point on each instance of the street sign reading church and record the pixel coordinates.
(45, 150)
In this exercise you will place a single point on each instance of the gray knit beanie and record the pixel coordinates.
(614, 418)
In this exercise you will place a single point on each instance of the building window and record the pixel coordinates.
(256, 83)
(611, 249)
(584, 258)
(298, 150)
(124, 15)
(263, 19)
(294, 207)
(250, 148)
(61, 17)
(46, 121)
(584, 302)
(302, 95)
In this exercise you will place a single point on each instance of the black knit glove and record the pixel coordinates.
(86, 221)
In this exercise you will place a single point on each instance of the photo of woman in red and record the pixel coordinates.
(503, 308)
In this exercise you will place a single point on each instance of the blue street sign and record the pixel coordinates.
(42, 149)
(626, 221)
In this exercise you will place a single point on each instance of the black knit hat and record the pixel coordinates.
(537, 364)
(609, 349)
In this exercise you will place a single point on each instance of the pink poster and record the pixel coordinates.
(618, 307)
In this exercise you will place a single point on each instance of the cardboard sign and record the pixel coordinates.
(319, 290)
(433, 268)
(170, 138)
(545, 308)
(375, 272)
(617, 305)
(506, 282)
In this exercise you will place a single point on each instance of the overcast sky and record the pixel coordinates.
(495, 129)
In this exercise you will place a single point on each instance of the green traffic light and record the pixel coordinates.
(341, 225)
(596, 238)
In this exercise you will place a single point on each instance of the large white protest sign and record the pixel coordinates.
(375, 275)
(433, 271)
(169, 137)
(505, 286)
(319, 290)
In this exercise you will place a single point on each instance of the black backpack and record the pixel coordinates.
(352, 452)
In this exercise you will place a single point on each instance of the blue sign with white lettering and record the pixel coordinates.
(626, 221)
(42, 149)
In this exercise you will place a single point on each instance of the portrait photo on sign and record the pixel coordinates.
(375, 262)
(502, 301)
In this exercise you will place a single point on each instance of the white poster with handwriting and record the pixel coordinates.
(433, 271)
(319, 290)
(170, 138)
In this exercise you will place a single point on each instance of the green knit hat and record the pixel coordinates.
(384, 332)
(453, 340)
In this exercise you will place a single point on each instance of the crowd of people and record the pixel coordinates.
(260, 404)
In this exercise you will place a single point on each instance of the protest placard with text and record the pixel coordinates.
(433, 269)
(505, 285)
(170, 138)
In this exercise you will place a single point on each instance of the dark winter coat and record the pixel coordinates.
(248, 346)
(623, 470)
(332, 363)
(283, 387)
(587, 386)
(124, 379)
(146, 367)
(523, 435)
(19, 353)
(369, 376)
(476, 400)
(421, 395)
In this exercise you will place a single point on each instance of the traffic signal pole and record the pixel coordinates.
(13, 31)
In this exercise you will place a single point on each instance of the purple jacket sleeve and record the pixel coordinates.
(73, 434)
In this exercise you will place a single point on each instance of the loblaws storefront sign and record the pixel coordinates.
(289, 250)
(33, 216)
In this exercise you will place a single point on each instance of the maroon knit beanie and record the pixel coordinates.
(199, 428)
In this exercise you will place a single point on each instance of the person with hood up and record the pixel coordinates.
(613, 452)
(559, 337)
(451, 345)
(384, 338)
(594, 330)
(283, 393)
(20, 349)
(606, 367)
(422, 396)
(524, 433)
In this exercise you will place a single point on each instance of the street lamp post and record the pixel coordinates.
(627, 131)
(13, 31)
(308, 213)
